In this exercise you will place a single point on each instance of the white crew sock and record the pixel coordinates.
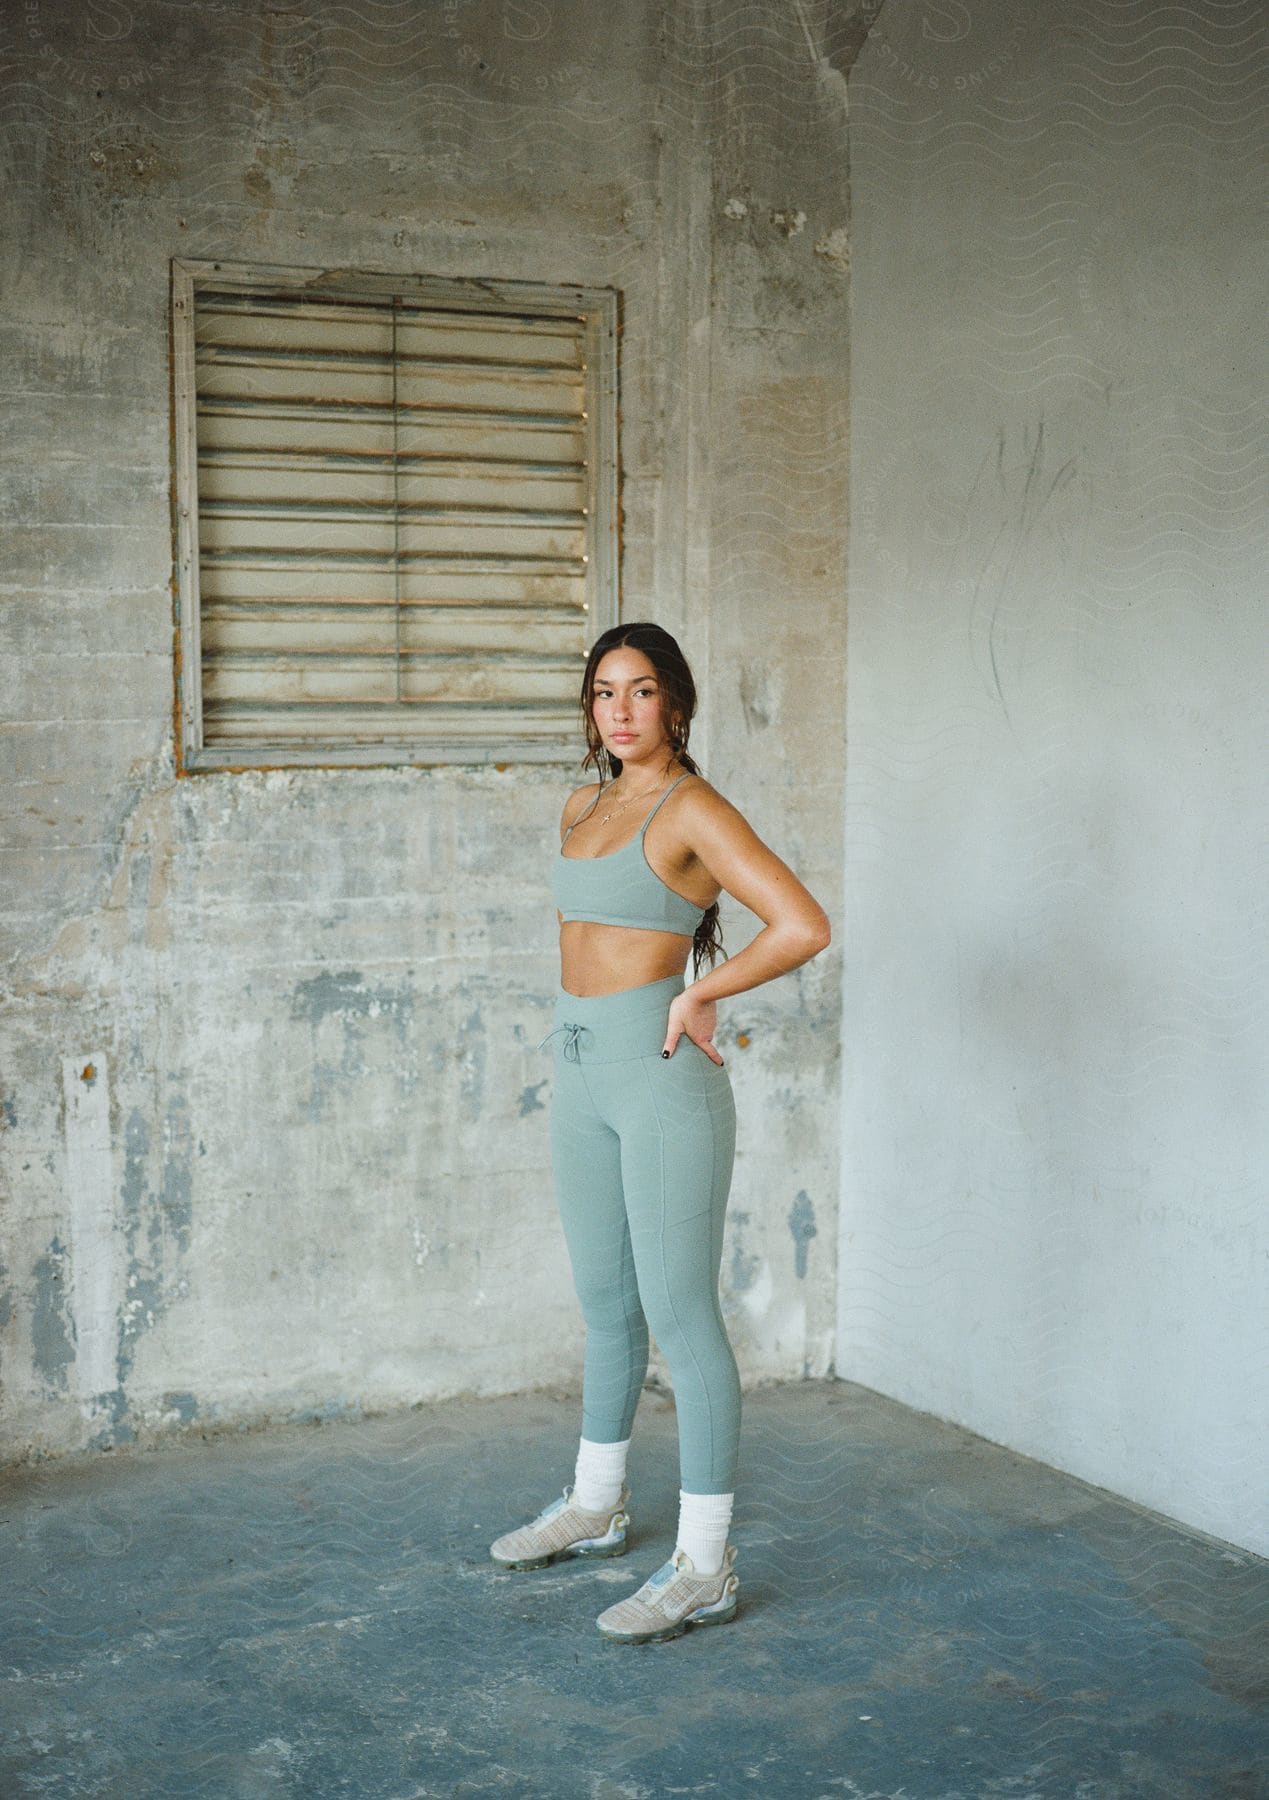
(600, 1472)
(704, 1520)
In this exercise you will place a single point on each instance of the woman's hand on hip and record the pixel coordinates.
(698, 1019)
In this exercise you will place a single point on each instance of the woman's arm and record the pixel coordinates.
(795, 925)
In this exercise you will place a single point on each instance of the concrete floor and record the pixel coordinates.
(311, 1611)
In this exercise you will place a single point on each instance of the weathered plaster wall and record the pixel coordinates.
(1053, 1224)
(274, 1127)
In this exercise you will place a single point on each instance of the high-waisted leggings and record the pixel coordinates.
(642, 1150)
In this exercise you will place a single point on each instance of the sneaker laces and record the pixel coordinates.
(554, 1506)
(666, 1573)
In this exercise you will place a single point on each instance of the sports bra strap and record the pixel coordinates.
(661, 802)
(577, 821)
(595, 802)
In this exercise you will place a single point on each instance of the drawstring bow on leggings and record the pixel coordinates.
(570, 1042)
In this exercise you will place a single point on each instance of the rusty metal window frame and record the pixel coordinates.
(496, 667)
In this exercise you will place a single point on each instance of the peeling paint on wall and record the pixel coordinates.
(802, 1228)
(756, 696)
(474, 1058)
(346, 997)
(744, 1269)
(129, 166)
(90, 1204)
(136, 1148)
(176, 1195)
(789, 220)
(834, 247)
(52, 1333)
(346, 994)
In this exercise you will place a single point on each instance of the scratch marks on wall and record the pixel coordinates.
(1037, 518)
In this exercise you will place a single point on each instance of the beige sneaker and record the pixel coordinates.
(563, 1529)
(671, 1600)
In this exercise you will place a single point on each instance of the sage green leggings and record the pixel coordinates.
(641, 1151)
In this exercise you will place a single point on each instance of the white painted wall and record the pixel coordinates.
(1053, 1220)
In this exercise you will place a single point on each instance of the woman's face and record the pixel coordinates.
(627, 706)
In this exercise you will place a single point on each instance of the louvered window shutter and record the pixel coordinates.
(396, 515)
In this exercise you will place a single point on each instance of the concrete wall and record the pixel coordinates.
(274, 1136)
(273, 1130)
(1053, 1224)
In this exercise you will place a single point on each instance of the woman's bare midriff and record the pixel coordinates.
(604, 959)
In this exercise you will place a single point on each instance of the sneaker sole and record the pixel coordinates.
(717, 1613)
(608, 1545)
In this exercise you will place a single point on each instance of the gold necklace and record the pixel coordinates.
(630, 802)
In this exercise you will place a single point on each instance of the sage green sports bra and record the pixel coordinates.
(622, 888)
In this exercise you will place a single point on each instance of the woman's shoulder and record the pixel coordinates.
(701, 808)
(698, 795)
(577, 802)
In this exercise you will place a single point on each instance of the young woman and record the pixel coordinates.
(643, 1122)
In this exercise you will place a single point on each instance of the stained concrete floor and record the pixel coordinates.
(312, 1611)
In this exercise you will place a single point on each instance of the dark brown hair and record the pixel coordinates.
(678, 707)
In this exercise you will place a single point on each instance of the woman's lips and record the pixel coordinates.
(622, 737)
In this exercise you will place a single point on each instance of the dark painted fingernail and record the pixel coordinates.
(665, 1053)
